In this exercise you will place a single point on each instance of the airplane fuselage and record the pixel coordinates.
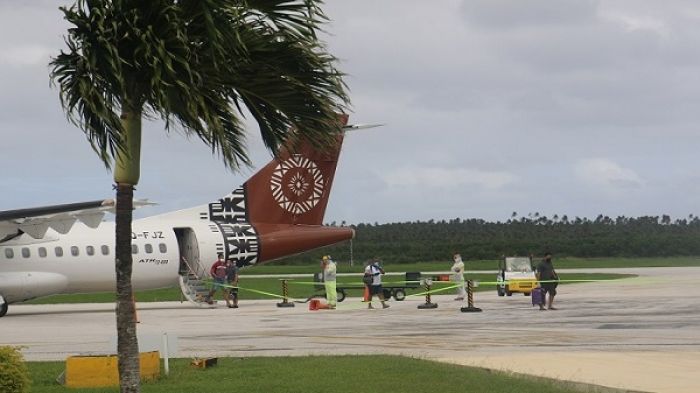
(83, 261)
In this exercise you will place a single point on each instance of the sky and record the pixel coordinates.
(576, 107)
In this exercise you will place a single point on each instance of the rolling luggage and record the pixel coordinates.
(537, 296)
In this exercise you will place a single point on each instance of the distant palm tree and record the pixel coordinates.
(195, 64)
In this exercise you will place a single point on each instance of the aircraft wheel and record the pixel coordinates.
(3, 308)
(509, 293)
(399, 295)
(526, 293)
(341, 295)
(500, 290)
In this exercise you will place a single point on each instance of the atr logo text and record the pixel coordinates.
(154, 261)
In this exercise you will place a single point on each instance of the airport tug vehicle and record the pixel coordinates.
(515, 274)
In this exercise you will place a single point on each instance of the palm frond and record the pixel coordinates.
(195, 64)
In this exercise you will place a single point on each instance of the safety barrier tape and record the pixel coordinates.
(255, 291)
(435, 290)
(209, 282)
(361, 284)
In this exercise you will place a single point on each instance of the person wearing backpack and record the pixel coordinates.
(373, 280)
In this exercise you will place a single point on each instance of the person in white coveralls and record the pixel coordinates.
(458, 276)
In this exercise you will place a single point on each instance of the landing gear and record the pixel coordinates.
(3, 306)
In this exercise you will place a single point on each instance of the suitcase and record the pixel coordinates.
(537, 296)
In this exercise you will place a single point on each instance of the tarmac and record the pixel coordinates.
(639, 334)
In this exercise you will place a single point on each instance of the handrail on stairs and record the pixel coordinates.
(197, 270)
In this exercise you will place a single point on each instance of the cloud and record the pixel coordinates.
(602, 172)
(508, 14)
(448, 178)
(28, 55)
(478, 97)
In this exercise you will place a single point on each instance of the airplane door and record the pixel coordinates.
(189, 249)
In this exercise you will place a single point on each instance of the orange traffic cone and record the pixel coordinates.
(313, 304)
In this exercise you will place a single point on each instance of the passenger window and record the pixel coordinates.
(9, 253)
(25, 252)
(42, 252)
(74, 251)
(90, 250)
(149, 248)
(134, 249)
(105, 250)
(58, 251)
(163, 248)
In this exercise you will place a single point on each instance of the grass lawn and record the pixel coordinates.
(300, 288)
(320, 374)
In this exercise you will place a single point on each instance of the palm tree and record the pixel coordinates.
(195, 64)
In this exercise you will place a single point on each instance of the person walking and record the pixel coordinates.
(547, 277)
(218, 273)
(329, 273)
(375, 271)
(458, 276)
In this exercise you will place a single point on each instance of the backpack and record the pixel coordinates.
(368, 278)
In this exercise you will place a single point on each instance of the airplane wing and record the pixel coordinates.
(36, 221)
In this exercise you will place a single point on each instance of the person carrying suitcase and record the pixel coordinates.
(547, 277)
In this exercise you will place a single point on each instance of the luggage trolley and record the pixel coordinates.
(395, 290)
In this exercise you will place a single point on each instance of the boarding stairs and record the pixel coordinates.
(193, 283)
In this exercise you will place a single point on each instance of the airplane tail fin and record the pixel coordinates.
(293, 188)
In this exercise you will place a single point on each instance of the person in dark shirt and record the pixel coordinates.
(546, 273)
(232, 281)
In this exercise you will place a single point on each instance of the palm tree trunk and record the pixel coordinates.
(126, 175)
(127, 344)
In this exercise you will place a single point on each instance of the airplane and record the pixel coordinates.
(277, 212)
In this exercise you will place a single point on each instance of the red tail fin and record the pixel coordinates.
(294, 187)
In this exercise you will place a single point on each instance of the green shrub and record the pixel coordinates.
(14, 377)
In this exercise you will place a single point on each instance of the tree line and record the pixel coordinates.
(421, 241)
